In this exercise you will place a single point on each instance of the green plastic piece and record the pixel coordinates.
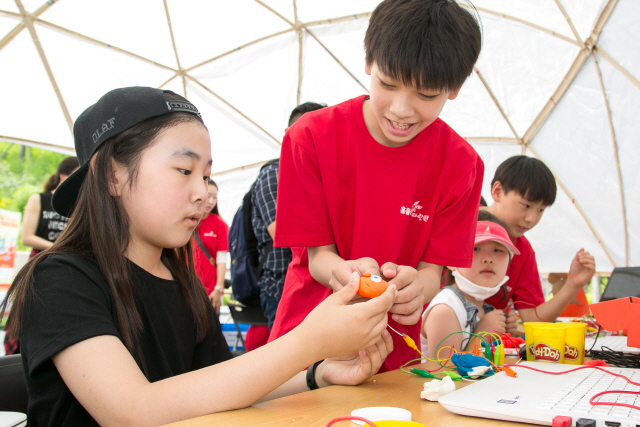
(454, 375)
(496, 356)
(487, 353)
(422, 373)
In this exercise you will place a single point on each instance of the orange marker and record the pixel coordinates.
(371, 286)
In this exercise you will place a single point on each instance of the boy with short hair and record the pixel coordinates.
(522, 188)
(379, 184)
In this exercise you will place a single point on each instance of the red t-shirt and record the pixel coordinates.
(524, 280)
(401, 204)
(213, 233)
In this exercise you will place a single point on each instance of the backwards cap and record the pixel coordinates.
(114, 113)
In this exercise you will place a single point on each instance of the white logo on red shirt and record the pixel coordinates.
(412, 212)
(210, 234)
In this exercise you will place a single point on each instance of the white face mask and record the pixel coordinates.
(480, 293)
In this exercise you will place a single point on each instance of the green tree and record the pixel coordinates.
(22, 177)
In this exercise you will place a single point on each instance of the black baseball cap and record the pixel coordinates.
(114, 113)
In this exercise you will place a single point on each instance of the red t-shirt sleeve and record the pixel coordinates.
(527, 290)
(453, 227)
(223, 236)
(301, 213)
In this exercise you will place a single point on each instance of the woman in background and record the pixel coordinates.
(211, 248)
(41, 225)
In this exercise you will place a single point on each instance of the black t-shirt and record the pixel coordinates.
(73, 303)
(50, 223)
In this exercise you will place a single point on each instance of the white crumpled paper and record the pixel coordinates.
(434, 389)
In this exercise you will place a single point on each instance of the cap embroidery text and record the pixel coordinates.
(104, 128)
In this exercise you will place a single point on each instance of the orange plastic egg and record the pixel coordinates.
(371, 286)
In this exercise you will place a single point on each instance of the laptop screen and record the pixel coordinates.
(624, 282)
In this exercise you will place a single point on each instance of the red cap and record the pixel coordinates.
(487, 231)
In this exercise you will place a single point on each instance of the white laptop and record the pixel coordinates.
(537, 398)
(615, 343)
(12, 419)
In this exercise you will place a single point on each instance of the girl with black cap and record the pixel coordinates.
(116, 328)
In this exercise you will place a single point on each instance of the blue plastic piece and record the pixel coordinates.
(466, 362)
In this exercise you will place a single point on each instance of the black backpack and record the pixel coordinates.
(246, 267)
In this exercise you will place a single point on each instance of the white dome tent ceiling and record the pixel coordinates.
(557, 80)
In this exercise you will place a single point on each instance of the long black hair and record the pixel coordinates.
(99, 229)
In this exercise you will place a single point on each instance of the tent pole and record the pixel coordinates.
(617, 157)
(338, 61)
(37, 144)
(233, 108)
(571, 74)
(298, 29)
(99, 43)
(617, 66)
(573, 28)
(175, 51)
(28, 22)
(270, 9)
(577, 206)
(18, 28)
(495, 101)
(521, 21)
(237, 49)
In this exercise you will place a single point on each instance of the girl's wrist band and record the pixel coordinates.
(311, 376)
(219, 289)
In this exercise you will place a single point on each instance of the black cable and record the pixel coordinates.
(617, 358)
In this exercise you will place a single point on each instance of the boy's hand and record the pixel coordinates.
(341, 273)
(512, 322)
(336, 328)
(355, 368)
(494, 321)
(409, 302)
(583, 267)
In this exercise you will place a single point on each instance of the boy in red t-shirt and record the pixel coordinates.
(379, 184)
(522, 188)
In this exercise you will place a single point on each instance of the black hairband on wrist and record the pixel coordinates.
(311, 376)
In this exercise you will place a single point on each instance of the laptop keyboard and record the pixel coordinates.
(575, 397)
(615, 343)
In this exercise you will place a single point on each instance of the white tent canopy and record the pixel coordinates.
(557, 80)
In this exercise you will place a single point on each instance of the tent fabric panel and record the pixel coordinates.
(231, 189)
(148, 37)
(562, 231)
(620, 36)
(102, 70)
(624, 101)
(234, 143)
(313, 10)
(7, 24)
(10, 5)
(582, 157)
(583, 15)
(324, 80)
(346, 41)
(474, 113)
(492, 154)
(249, 81)
(204, 30)
(283, 7)
(34, 112)
(545, 13)
(527, 55)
